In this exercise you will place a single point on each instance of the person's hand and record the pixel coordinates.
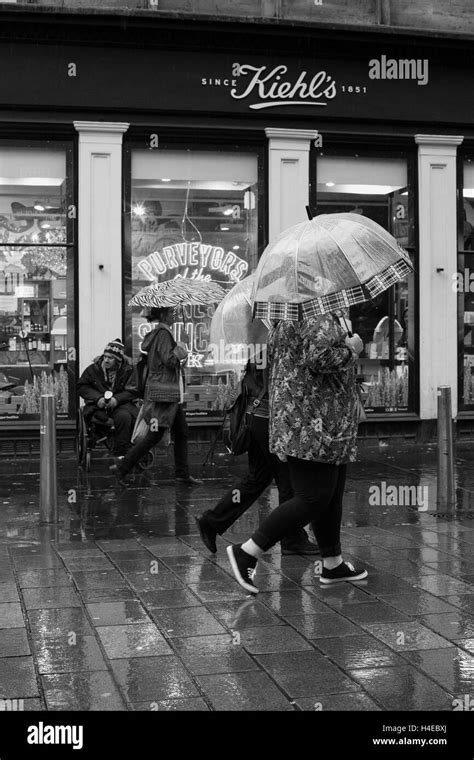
(101, 403)
(113, 403)
(355, 343)
(282, 457)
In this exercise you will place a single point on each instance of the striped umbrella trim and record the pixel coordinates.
(343, 298)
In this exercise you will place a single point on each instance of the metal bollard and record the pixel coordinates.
(445, 483)
(48, 478)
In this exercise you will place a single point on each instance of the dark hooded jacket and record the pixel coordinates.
(93, 384)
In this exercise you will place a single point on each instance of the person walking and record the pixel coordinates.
(110, 372)
(164, 358)
(313, 426)
(263, 468)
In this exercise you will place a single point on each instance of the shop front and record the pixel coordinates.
(182, 147)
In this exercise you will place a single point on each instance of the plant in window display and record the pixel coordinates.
(56, 384)
(388, 389)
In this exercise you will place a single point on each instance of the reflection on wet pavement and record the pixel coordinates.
(121, 607)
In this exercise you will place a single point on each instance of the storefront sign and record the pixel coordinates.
(269, 86)
(192, 259)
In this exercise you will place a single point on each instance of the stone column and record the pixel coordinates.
(438, 347)
(100, 288)
(288, 180)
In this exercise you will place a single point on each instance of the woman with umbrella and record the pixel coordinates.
(164, 387)
(307, 274)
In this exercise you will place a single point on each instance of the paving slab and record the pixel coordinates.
(186, 621)
(253, 692)
(403, 636)
(326, 624)
(95, 690)
(232, 661)
(303, 674)
(117, 613)
(153, 679)
(452, 668)
(193, 704)
(11, 615)
(355, 701)
(42, 598)
(60, 656)
(8, 593)
(58, 623)
(14, 642)
(138, 640)
(17, 678)
(403, 688)
(364, 651)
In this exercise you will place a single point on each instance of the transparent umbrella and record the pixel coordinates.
(330, 262)
(234, 336)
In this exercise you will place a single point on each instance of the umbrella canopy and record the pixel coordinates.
(177, 292)
(234, 336)
(330, 262)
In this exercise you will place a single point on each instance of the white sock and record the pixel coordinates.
(330, 563)
(250, 547)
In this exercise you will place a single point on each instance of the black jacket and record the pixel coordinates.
(92, 384)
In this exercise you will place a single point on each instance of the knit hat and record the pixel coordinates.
(116, 348)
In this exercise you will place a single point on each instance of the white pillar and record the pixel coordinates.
(100, 236)
(288, 181)
(437, 264)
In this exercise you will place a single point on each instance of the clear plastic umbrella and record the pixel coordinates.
(234, 336)
(330, 262)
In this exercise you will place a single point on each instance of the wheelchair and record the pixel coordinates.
(93, 433)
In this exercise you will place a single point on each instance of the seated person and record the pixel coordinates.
(110, 372)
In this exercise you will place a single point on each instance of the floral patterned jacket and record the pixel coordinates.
(313, 399)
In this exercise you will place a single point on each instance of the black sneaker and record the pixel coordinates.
(208, 534)
(243, 566)
(343, 572)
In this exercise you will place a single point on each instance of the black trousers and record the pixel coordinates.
(263, 468)
(179, 431)
(124, 417)
(319, 491)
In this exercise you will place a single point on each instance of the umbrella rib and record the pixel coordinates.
(307, 224)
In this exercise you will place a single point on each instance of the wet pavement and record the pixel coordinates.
(120, 607)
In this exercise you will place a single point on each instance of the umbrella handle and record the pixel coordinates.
(349, 333)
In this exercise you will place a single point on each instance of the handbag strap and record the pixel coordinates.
(257, 401)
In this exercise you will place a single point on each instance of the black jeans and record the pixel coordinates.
(319, 490)
(263, 468)
(123, 417)
(179, 430)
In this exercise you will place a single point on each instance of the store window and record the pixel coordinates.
(36, 279)
(464, 285)
(193, 213)
(380, 189)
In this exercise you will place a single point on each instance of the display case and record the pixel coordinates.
(33, 346)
